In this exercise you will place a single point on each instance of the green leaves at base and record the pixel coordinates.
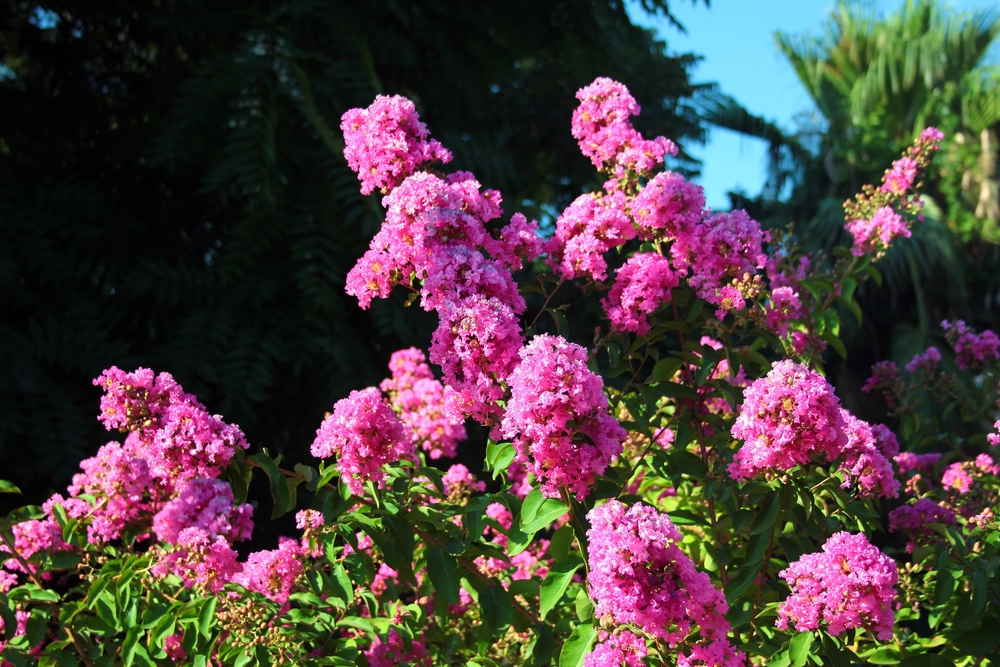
(443, 570)
(577, 646)
(556, 582)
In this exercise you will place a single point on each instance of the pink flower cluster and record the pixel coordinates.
(365, 434)
(668, 207)
(639, 575)
(122, 482)
(589, 227)
(419, 400)
(722, 248)
(602, 127)
(994, 438)
(791, 415)
(558, 417)
(175, 434)
(874, 218)
(785, 306)
(205, 505)
(925, 363)
(972, 352)
(394, 652)
(849, 585)
(908, 461)
(884, 376)
(878, 231)
(642, 285)
(966, 487)
(387, 142)
(915, 520)
(272, 573)
(621, 648)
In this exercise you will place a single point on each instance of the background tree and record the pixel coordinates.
(174, 193)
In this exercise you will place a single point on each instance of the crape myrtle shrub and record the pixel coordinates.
(680, 485)
(173, 191)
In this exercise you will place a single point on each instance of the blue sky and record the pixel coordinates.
(736, 39)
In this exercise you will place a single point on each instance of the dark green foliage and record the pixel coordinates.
(173, 193)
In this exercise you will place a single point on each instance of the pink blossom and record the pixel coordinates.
(787, 416)
(850, 584)
(119, 482)
(33, 536)
(900, 178)
(387, 142)
(558, 417)
(272, 573)
(589, 227)
(884, 375)
(174, 649)
(785, 276)
(476, 346)
(22, 627)
(136, 401)
(517, 475)
(878, 232)
(419, 400)
(785, 305)
(924, 363)
(457, 272)
(914, 519)
(622, 648)
(393, 652)
(206, 504)
(885, 440)
(864, 462)
(311, 523)
(719, 249)
(908, 461)
(932, 135)
(668, 206)
(199, 560)
(516, 243)
(459, 481)
(192, 443)
(972, 352)
(639, 575)
(961, 476)
(642, 285)
(365, 434)
(994, 438)
(601, 126)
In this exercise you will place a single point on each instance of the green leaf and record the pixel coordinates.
(577, 646)
(926, 660)
(496, 607)
(584, 606)
(884, 655)
(560, 543)
(798, 648)
(206, 616)
(543, 513)
(765, 518)
(279, 489)
(664, 369)
(498, 456)
(982, 640)
(8, 487)
(544, 645)
(556, 582)
(747, 575)
(443, 570)
(341, 583)
(403, 534)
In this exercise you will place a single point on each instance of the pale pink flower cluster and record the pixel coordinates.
(394, 652)
(972, 352)
(365, 434)
(622, 648)
(925, 363)
(387, 142)
(22, 627)
(970, 486)
(558, 417)
(639, 575)
(849, 585)
(30, 537)
(457, 480)
(121, 481)
(602, 127)
(206, 505)
(589, 227)
(878, 231)
(311, 523)
(994, 438)
(175, 434)
(915, 521)
(199, 560)
(792, 415)
(642, 285)
(419, 400)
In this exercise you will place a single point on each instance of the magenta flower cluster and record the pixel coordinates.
(972, 352)
(365, 434)
(639, 575)
(602, 127)
(642, 285)
(848, 585)
(791, 415)
(387, 142)
(622, 648)
(915, 521)
(558, 417)
(419, 400)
